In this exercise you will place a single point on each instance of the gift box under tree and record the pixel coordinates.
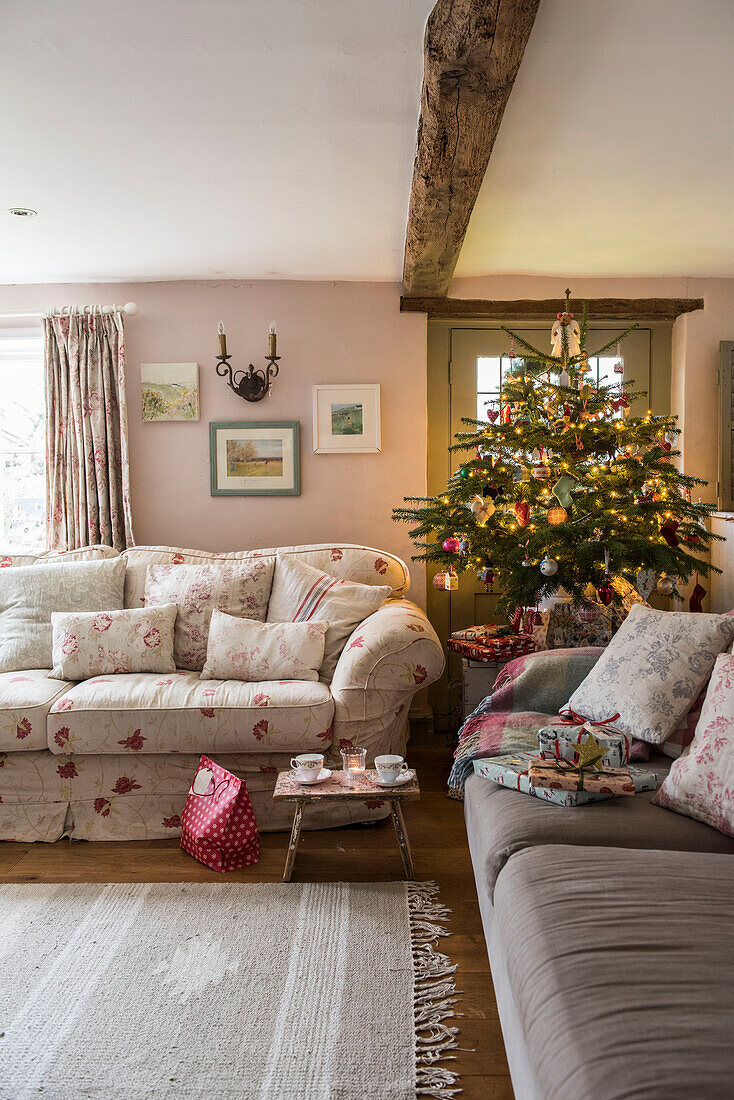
(514, 772)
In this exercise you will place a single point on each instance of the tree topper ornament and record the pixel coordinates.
(573, 336)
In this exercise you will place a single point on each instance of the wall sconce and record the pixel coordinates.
(251, 385)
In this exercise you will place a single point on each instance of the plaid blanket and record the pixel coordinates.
(527, 695)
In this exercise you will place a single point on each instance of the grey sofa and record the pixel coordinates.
(609, 931)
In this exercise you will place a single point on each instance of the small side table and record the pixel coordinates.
(335, 789)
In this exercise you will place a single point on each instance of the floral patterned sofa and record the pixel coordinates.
(112, 758)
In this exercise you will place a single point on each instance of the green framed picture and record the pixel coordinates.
(255, 458)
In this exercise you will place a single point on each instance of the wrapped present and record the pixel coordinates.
(561, 741)
(493, 649)
(514, 772)
(488, 630)
(559, 775)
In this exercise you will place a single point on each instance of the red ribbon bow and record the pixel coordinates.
(569, 717)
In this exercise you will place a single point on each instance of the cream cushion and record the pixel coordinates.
(242, 649)
(30, 594)
(25, 700)
(179, 712)
(652, 671)
(92, 643)
(197, 590)
(301, 594)
(700, 783)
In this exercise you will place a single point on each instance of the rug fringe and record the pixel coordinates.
(435, 993)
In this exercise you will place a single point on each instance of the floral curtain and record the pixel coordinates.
(87, 473)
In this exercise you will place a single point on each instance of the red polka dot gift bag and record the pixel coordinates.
(218, 824)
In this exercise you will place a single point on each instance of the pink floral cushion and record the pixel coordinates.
(197, 590)
(700, 783)
(96, 643)
(242, 649)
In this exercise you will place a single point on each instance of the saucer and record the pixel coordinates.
(323, 774)
(404, 778)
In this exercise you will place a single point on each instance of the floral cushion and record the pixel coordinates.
(93, 643)
(242, 649)
(197, 590)
(302, 594)
(25, 700)
(700, 783)
(178, 712)
(29, 595)
(652, 671)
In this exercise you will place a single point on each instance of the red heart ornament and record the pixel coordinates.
(605, 593)
(522, 513)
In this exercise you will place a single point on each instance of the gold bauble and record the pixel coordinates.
(557, 515)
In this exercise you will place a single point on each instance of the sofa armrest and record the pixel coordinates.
(389, 657)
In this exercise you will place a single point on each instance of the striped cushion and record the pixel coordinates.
(301, 593)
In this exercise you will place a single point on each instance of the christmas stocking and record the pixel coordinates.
(668, 529)
(697, 595)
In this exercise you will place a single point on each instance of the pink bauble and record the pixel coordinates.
(451, 545)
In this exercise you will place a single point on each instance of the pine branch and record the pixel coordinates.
(615, 340)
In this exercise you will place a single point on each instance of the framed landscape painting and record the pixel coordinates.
(346, 418)
(170, 391)
(255, 458)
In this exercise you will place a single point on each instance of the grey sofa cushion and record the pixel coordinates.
(622, 970)
(30, 593)
(501, 822)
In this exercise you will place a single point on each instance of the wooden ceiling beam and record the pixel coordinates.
(541, 309)
(472, 53)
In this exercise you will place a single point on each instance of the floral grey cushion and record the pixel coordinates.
(652, 671)
(30, 593)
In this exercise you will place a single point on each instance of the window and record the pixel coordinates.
(22, 441)
(491, 371)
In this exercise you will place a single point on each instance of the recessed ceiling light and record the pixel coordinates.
(22, 211)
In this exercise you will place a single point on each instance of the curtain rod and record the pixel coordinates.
(129, 309)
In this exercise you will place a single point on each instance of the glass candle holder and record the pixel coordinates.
(354, 762)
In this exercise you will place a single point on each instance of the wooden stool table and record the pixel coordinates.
(335, 789)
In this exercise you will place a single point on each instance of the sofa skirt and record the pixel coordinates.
(140, 796)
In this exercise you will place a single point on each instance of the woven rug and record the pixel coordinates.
(227, 990)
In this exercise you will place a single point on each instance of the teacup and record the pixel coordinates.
(389, 768)
(308, 765)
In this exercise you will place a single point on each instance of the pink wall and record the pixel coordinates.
(328, 333)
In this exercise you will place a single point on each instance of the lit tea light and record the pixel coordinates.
(354, 762)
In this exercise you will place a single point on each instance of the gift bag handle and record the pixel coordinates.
(219, 788)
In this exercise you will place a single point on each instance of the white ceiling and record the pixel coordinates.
(616, 152)
(166, 139)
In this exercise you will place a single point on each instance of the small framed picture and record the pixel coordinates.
(170, 391)
(346, 418)
(255, 458)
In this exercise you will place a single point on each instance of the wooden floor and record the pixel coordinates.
(363, 853)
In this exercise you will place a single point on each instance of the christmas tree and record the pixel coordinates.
(563, 488)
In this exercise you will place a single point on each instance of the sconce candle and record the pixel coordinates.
(250, 385)
(354, 762)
